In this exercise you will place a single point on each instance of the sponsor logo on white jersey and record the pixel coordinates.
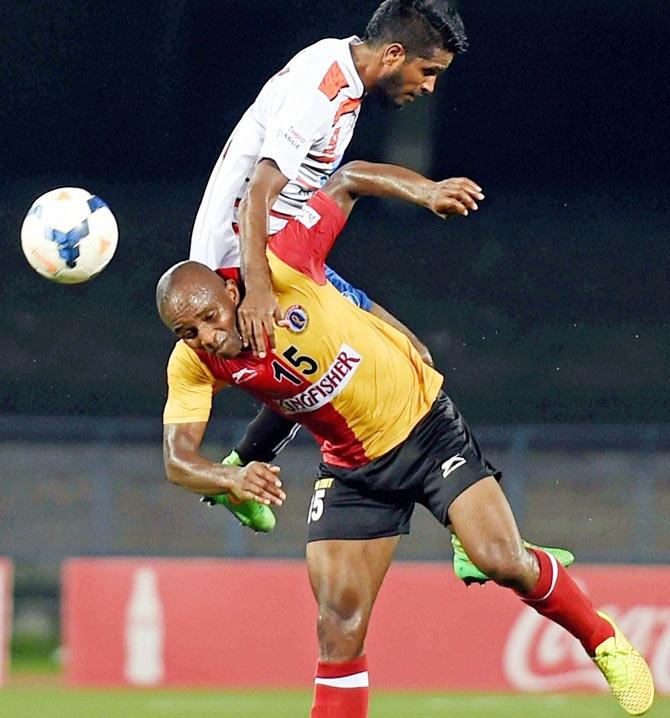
(327, 386)
(452, 464)
(294, 138)
(309, 217)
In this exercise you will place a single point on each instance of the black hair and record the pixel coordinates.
(418, 25)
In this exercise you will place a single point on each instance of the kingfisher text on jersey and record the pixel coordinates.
(327, 386)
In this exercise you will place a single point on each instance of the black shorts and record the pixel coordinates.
(437, 461)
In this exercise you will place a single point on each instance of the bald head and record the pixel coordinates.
(200, 307)
(181, 278)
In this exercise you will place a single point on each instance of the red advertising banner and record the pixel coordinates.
(5, 615)
(252, 624)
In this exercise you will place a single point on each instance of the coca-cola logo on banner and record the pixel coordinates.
(539, 655)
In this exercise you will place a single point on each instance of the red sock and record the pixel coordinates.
(560, 599)
(341, 690)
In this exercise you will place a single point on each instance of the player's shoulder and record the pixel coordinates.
(181, 355)
(186, 363)
(326, 47)
(317, 58)
(316, 75)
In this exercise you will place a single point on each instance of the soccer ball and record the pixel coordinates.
(69, 235)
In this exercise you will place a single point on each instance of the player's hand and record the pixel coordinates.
(258, 481)
(256, 314)
(456, 196)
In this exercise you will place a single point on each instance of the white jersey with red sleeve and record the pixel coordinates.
(303, 119)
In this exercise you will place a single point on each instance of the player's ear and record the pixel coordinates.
(233, 291)
(393, 56)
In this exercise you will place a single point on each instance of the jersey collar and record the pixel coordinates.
(351, 65)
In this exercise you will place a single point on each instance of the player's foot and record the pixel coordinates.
(257, 517)
(469, 573)
(626, 672)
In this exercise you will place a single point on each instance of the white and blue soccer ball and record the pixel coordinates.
(69, 235)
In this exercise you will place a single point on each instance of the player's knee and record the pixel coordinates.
(504, 562)
(341, 631)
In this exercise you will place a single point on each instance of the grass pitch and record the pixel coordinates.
(57, 702)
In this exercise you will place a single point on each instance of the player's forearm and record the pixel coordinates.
(390, 181)
(253, 214)
(265, 184)
(194, 472)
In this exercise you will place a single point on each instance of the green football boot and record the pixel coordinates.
(469, 573)
(258, 517)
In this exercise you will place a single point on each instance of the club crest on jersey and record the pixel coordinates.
(297, 318)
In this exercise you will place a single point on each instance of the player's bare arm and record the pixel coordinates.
(387, 317)
(448, 198)
(186, 467)
(259, 308)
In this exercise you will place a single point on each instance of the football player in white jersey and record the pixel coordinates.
(294, 135)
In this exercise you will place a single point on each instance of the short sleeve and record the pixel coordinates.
(306, 240)
(190, 388)
(297, 115)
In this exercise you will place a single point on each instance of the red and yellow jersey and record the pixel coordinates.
(354, 381)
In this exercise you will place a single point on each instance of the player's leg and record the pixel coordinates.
(461, 488)
(352, 531)
(453, 461)
(265, 436)
(469, 573)
(484, 522)
(345, 577)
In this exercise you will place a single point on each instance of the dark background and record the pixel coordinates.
(550, 304)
